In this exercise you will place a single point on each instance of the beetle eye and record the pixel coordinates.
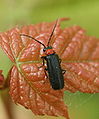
(44, 50)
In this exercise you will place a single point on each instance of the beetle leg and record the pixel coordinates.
(42, 64)
(46, 72)
(46, 69)
(63, 71)
(60, 60)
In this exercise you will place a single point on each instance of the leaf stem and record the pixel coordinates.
(7, 104)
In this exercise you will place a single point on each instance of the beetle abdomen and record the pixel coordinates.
(54, 71)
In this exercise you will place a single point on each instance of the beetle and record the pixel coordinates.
(55, 72)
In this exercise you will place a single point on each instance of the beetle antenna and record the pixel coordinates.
(33, 39)
(52, 33)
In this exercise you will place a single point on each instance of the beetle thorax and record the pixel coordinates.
(48, 50)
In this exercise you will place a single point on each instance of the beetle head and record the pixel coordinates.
(49, 47)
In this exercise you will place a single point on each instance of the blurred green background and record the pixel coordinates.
(82, 12)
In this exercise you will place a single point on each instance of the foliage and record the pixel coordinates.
(28, 84)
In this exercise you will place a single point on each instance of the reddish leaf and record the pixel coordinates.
(5, 44)
(81, 60)
(1, 76)
(1, 79)
(82, 77)
(28, 84)
(36, 95)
